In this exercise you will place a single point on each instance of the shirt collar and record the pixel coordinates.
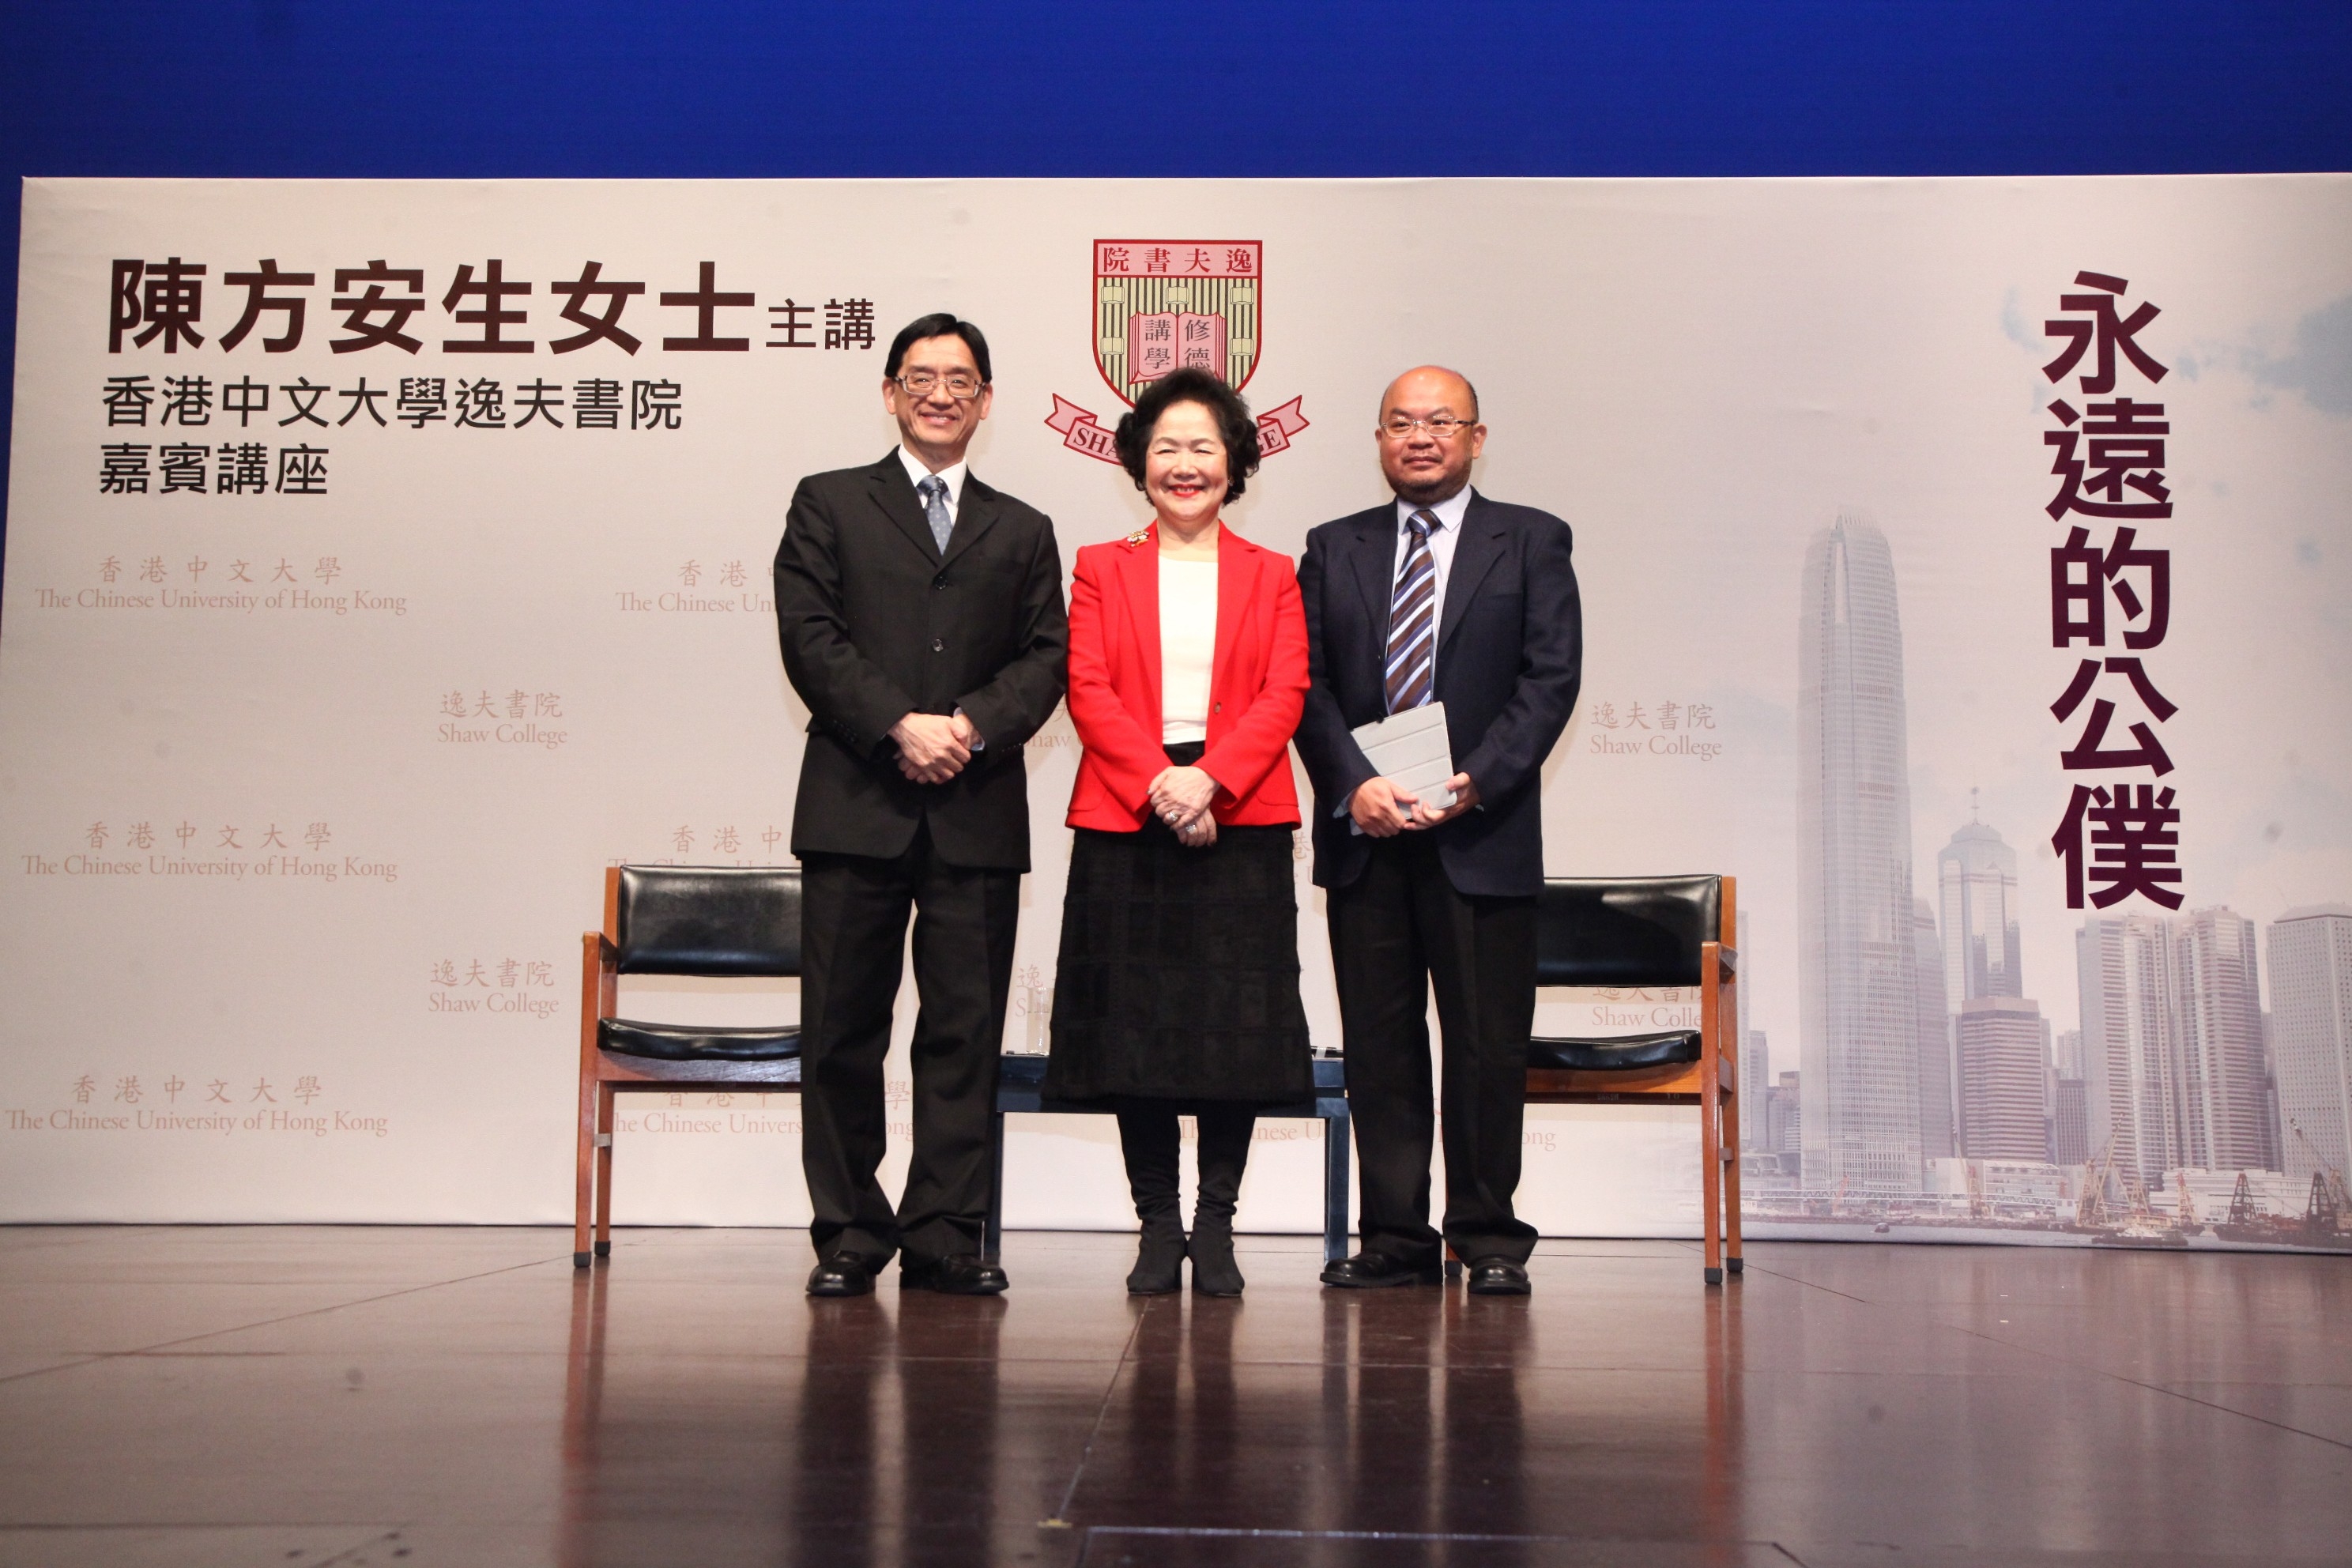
(1449, 512)
(953, 474)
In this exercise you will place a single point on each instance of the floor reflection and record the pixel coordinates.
(909, 1430)
(686, 1404)
(1421, 1394)
(867, 1440)
(844, 1484)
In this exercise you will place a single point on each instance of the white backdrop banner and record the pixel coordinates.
(1964, 563)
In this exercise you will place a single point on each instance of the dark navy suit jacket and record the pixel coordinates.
(1510, 649)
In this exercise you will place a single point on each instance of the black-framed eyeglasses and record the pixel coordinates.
(959, 384)
(1443, 427)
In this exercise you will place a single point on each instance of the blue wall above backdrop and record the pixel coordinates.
(436, 88)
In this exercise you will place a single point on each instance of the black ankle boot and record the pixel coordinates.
(1148, 1139)
(1224, 1154)
(1214, 1272)
(1159, 1262)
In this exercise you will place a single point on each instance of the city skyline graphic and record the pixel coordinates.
(1930, 1098)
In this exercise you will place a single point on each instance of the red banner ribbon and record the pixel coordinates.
(1081, 432)
(1275, 427)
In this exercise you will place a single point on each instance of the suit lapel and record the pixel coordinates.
(1376, 569)
(894, 494)
(1139, 574)
(1475, 555)
(976, 513)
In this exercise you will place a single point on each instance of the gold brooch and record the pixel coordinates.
(1138, 537)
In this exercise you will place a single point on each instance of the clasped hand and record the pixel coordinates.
(1383, 810)
(1181, 797)
(933, 749)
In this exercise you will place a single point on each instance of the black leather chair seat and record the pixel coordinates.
(1615, 1053)
(696, 1042)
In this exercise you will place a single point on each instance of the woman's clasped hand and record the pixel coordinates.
(1181, 797)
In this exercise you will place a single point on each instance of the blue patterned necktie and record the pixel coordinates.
(1413, 621)
(934, 492)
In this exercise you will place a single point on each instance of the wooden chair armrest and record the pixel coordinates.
(599, 983)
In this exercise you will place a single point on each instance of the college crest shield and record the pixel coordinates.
(1165, 303)
(1160, 305)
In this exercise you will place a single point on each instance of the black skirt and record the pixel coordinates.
(1178, 971)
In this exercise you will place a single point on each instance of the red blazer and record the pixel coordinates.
(1258, 684)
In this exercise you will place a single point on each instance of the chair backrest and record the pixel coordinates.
(1625, 931)
(707, 920)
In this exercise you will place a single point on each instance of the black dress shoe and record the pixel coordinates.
(960, 1274)
(843, 1274)
(1369, 1269)
(1497, 1277)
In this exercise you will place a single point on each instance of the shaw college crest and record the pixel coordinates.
(1162, 305)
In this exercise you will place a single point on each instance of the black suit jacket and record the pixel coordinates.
(876, 623)
(1510, 649)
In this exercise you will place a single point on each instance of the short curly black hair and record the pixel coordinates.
(1192, 385)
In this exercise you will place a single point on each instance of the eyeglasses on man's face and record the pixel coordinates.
(1443, 427)
(959, 384)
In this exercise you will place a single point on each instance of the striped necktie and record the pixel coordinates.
(1411, 668)
(934, 492)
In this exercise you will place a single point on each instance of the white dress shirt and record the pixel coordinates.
(953, 474)
(1188, 649)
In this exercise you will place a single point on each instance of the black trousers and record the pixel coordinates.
(852, 947)
(1397, 931)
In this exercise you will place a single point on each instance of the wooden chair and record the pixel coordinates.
(1651, 931)
(676, 920)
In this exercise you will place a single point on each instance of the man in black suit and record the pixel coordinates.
(922, 623)
(1440, 595)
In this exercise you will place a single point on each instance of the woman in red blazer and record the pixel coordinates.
(1177, 989)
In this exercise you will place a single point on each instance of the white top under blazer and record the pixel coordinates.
(1188, 649)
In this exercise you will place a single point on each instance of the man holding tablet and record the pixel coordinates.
(1439, 596)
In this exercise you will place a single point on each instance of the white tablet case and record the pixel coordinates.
(1411, 749)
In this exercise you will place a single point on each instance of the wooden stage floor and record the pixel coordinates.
(203, 1396)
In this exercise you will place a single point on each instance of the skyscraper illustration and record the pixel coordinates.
(2311, 1023)
(2070, 1122)
(2066, 1054)
(2224, 1091)
(1755, 1060)
(1976, 885)
(1938, 1119)
(2000, 1067)
(2172, 1042)
(2124, 965)
(1857, 932)
(2004, 1078)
